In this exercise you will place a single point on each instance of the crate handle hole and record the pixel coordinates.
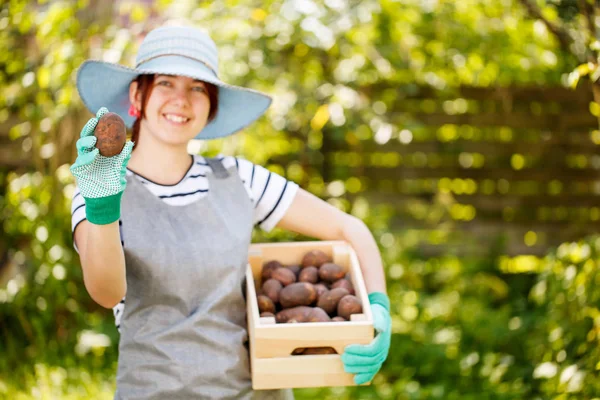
(305, 351)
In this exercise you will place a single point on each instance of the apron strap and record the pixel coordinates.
(217, 167)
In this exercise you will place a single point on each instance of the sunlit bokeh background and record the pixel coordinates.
(464, 133)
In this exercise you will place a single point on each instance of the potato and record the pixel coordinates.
(330, 272)
(318, 315)
(268, 269)
(343, 283)
(110, 134)
(329, 300)
(296, 314)
(319, 350)
(271, 289)
(309, 274)
(266, 314)
(298, 351)
(315, 258)
(295, 269)
(349, 305)
(284, 275)
(297, 294)
(320, 288)
(265, 304)
(338, 319)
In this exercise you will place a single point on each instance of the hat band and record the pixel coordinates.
(145, 60)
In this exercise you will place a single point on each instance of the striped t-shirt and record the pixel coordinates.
(270, 193)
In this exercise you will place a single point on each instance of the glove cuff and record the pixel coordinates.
(380, 298)
(103, 210)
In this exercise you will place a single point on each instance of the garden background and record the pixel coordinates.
(464, 133)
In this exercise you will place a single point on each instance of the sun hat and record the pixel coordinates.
(171, 50)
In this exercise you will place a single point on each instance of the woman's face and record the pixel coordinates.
(177, 109)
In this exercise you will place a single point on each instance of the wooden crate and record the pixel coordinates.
(271, 345)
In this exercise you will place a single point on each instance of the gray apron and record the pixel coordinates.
(183, 331)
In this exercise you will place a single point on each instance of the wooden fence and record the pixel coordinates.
(467, 170)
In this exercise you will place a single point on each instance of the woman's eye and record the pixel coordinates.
(164, 83)
(199, 89)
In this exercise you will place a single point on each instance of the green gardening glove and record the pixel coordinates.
(366, 360)
(100, 179)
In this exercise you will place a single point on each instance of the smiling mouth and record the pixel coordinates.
(176, 119)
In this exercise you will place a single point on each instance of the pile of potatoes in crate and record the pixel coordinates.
(315, 291)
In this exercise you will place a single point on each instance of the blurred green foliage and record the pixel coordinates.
(496, 326)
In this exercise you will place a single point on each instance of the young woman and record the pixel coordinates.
(171, 230)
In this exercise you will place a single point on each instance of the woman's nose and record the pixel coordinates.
(181, 97)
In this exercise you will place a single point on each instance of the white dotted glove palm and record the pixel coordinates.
(100, 179)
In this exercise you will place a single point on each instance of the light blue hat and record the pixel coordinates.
(171, 50)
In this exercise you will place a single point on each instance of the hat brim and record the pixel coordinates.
(104, 84)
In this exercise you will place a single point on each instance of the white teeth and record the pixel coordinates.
(176, 118)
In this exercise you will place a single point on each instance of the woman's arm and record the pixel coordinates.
(101, 185)
(311, 216)
(103, 262)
